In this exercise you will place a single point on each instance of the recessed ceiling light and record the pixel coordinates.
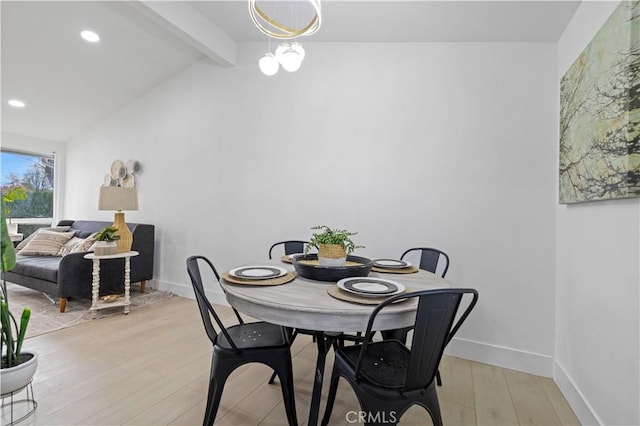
(16, 103)
(90, 36)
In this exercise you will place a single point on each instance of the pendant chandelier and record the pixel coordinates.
(284, 20)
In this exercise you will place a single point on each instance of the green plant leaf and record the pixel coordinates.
(8, 251)
(24, 321)
(7, 335)
(109, 233)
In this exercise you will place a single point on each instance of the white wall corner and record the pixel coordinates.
(500, 356)
(574, 397)
(215, 296)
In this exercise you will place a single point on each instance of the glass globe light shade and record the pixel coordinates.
(281, 49)
(290, 56)
(298, 47)
(268, 64)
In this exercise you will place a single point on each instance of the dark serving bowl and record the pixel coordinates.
(331, 273)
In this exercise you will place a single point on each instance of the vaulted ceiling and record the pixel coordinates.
(69, 85)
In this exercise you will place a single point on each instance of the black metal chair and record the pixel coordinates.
(290, 247)
(430, 258)
(240, 344)
(386, 376)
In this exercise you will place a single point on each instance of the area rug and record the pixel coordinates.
(46, 317)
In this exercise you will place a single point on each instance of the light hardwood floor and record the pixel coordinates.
(151, 368)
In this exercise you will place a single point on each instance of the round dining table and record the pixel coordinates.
(306, 304)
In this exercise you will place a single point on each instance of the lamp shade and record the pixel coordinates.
(118, 198)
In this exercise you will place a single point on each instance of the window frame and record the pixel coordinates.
(56, 185)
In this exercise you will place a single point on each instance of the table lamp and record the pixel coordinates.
(119, 199)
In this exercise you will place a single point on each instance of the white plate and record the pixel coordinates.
(391, 264)
(370, 287)
(258, 272)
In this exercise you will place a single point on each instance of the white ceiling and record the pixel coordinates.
(412, 21)
(70, 85)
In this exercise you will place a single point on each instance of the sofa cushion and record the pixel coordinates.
(24, 242)
(46, 243)
(42, 267)
(85, 244)
(83, 234)
(70, 245)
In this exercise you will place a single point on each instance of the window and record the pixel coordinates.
(27, 189)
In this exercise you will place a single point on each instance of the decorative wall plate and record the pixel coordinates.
(133, 167)
(109, 181)
(128, 181)
(118, 170)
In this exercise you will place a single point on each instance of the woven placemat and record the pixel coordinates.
(288, 277)
(339, 294)
(286, 259)
(408, 270)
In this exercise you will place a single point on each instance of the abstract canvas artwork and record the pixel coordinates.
(600, 114)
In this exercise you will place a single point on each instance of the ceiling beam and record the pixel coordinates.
(192, 27)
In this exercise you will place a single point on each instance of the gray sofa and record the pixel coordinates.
(70, 276)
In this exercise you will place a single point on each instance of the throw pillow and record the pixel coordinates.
(24, 242)
(46, 243)
(69, 245)
(85, 245)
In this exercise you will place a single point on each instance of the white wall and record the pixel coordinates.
(28, 144)
(598, 278)
(445, 145)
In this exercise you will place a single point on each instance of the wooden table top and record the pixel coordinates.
(305, 304)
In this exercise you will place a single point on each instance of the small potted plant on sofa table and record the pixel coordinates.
(106, 241)
(333, 245)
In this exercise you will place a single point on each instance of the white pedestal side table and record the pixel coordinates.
(97, 304)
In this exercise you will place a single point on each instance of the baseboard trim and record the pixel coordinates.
(574, 397)
(501, 356)
(216, 296)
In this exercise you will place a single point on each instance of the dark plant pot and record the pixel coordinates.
(331, 273)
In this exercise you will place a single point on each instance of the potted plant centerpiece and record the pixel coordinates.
(333, 245)
(106, 241)
(17, 367)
